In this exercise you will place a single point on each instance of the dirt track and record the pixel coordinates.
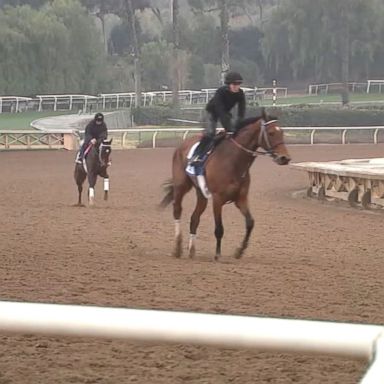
(306, 260)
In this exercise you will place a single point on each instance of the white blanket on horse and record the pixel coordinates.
(190, 168)
(191, 171)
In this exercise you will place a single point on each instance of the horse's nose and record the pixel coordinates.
(283, 160)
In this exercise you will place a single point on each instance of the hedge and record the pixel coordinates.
(289, 116)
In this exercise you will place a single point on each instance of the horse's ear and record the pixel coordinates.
(264, 114)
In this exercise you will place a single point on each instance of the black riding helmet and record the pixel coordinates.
(99, 117)
(233, 78)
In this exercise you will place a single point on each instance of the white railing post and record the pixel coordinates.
(375, 135)
(123, 139)
(343, 136)
(312, 136)
(185, 135)
(154, 139)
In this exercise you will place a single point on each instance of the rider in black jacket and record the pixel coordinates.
(95, 131)
(218, 108)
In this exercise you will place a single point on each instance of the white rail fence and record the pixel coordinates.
(262, 334)
(69, 102)
(134, 137)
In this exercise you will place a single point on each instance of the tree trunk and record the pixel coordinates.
(224, 26)
(260, 4)
(101, 16)
(136, 50)
(175, 53)
(344, 49)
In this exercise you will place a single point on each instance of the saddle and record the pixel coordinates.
(196, 171)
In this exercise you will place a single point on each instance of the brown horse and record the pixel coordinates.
(227, 177)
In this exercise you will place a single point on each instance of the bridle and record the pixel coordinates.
(103, 145)
(263, 135)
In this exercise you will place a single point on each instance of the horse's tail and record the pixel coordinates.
(168, 189)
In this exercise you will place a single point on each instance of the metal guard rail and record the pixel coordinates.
(56, 138)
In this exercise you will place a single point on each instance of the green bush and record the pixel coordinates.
(328, 117)
(300, 115)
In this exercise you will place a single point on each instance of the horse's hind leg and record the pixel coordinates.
(242, 204)
(201, 204)
(219, 229)
(179, 192)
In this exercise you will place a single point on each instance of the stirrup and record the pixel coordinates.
(196, 159)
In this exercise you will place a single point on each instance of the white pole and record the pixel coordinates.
(274, 93)
(353, 340)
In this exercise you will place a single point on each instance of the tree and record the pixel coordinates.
(17, 3)
(320, 40)
(54, 49)
(175, 52)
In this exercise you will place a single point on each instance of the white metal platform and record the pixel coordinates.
(359, 181)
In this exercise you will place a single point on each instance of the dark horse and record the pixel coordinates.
(95, 164)
(227, 177)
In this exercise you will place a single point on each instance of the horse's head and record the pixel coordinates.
(105, 149)
(271, 138)
(262, 132)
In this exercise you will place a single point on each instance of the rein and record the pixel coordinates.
(262, 135)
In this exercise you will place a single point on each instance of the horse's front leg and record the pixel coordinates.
(91, 191)
(242, 204)
(201, 204)
(80, 177)
(106, 187)
(219, 229)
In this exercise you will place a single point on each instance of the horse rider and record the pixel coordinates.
(96, 130)
(218, 108)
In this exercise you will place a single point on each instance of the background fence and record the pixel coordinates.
(169, 137)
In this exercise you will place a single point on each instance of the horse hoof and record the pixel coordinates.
(79, 205)
(192, 253)
(177, 254)
(239, 253)
(217, 257)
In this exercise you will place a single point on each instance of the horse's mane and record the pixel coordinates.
(251, 120)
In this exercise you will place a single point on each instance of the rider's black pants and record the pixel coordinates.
(209, 134)
(87, 140)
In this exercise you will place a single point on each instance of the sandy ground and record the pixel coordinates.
(306, 260)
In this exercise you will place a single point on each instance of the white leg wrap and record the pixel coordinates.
(91, 193)
(203, 186)
(192, 240)
(177, 228)
(106, 185)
